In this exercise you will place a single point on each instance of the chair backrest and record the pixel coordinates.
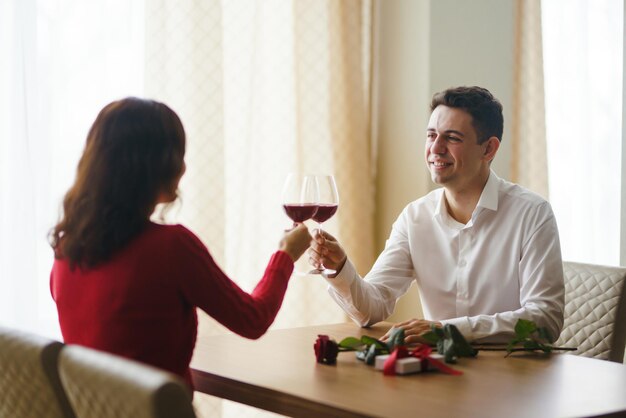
(29, 380)
(595, 311)
(102, 385)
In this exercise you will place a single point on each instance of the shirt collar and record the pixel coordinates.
(441, 204)
(488, 198)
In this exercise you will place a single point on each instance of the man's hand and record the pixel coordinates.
(413, 330)
(326, 249)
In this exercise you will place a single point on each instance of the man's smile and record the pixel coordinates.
(438, 165)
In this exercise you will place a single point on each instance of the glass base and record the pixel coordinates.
(324, 271)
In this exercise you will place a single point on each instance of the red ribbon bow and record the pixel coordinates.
(421, 352)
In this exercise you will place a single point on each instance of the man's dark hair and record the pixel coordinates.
(485, 109)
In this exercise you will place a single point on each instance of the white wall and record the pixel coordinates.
(423, 47)
(471, 43)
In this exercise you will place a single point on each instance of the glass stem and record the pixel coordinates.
(319, 230)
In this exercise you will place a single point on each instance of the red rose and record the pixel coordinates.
(326, 350)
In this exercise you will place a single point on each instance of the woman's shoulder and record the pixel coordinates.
(175, 244)
(167, 229)
(174, 234)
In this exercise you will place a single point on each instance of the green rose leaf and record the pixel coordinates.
(523, 328)
(367, 348)
(530, 337)
(441, 346)
(351, 343)
(449, 351)
(370, 356)
(512, 344)
(450, 342)
(396, 338)
(367, 340)
(431, 337)
(546, 348)
(531, 345)
(544, 334)
(463, 348)
(438, 331)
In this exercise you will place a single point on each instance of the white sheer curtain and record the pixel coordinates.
(529, 166)
(265, 88)
(262, 88)
(296, 97)
(583, 43)
(61, 61)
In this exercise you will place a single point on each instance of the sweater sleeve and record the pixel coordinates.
(205, 285)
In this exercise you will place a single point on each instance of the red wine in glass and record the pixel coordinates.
(327, 205)
(300, 212)
(324, 212)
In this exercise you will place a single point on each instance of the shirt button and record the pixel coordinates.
(462, 263)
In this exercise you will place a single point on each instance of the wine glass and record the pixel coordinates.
(327, 205)
(300, 195)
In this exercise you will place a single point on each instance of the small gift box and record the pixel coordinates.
(409, 365)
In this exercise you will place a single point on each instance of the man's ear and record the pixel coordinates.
(491, 148)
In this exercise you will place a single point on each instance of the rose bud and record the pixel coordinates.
(326, 350)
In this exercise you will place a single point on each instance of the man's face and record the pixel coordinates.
(454, 158)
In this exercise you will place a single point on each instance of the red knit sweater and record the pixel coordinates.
(141, 303)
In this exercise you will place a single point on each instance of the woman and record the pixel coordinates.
(125, 285)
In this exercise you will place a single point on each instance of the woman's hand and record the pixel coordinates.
(295, 241)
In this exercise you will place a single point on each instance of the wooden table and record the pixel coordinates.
(278, 373)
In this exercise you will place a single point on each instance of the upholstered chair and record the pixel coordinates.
(101, 385)
(29, 380)
(595, 311)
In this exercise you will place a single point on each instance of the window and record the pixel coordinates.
(64, 60)
(583, 47)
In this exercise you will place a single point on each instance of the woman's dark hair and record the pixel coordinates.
(485, 109)
(134, 152)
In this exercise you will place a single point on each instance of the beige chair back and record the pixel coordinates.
(101, 385)
(29, 381)
(595, 311)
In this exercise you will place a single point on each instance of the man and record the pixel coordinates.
(484, 252)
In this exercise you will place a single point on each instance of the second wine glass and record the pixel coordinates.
(327, 206)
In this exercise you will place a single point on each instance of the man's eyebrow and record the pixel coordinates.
(449, 131)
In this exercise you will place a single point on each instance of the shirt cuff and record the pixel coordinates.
(343, 280)
(463, 325)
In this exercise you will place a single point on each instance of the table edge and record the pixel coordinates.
(266, 399)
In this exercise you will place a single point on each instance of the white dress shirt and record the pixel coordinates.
(504, 264)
